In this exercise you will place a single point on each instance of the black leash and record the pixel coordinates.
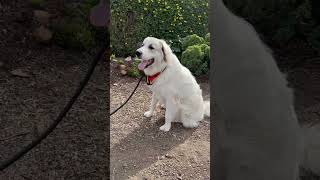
(62, 114)
(128, 97)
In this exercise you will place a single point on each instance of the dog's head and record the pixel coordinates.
(153, 54)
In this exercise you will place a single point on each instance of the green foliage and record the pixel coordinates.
(74, 35)
(133, 71)
(86, 6)
(75, 31)
(133, 20)
(37, 3)
(194, 58)
(191, 40)
(206, 50)
(207, 38)
(196, 54)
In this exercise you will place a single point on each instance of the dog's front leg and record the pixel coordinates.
(153, 105)
(171, 111)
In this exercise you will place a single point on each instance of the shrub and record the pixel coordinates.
(206, 50)
(207, 38)
(37, 3)
(74, 35)
(191, 40)
(133, 70)
(194, 59)
(75, 31)
(133, 20)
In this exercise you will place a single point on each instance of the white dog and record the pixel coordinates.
(172, 85)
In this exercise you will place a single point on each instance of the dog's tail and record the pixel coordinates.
(206, 106)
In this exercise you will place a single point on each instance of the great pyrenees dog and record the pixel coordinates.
(172, 85)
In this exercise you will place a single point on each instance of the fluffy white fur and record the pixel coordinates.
(175, 88)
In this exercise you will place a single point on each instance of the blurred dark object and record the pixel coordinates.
(100, 14)
(316, 10)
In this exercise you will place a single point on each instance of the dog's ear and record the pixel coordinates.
(165, 49)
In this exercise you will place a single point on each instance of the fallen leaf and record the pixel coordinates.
(20, 73)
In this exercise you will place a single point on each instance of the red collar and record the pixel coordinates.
(151, 79)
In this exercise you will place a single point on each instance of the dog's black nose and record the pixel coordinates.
(138, 53)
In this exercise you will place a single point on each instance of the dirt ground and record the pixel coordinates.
(139, 150)
(46, 77)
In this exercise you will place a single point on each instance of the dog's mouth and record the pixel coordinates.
(145, 64)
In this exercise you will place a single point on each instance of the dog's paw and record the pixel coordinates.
(165, 127)
(148, 114)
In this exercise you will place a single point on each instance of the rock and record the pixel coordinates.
(20, 73)
(4, 31)
(169, 156)
(1, 64)
(122, 67)
(125, 166)
(42, 34)
(123, 72)
(42, 17)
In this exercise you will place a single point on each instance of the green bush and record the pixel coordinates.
(194, 59)
(206, 50)
(134, 20)
(191, 40)
(74, 35)
(75, 31)
(207, 38)
(133, 71)
(196, 54)
(37, 3)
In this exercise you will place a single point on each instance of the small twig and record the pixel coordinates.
(27, 178)
(14, 136)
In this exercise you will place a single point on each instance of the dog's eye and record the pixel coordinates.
(151, 47)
